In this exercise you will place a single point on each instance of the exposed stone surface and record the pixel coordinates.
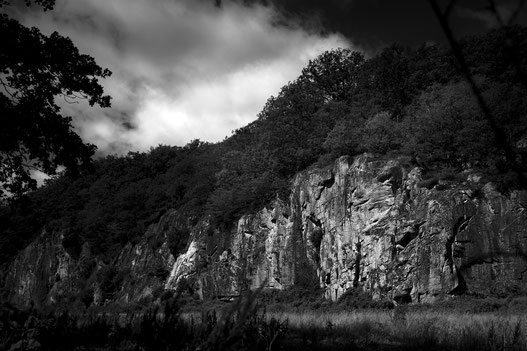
(44, 272)
(368, 223)
(364, 222)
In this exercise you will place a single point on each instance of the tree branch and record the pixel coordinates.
(6, 88)
(494, 9)
(71, 102)
(499, 134)
(449, 8)
(516, 12)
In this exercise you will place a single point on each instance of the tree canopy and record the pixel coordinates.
(409, 101)
(35, 69)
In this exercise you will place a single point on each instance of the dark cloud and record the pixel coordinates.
(190, 69)
(375, 23)
(181, 69)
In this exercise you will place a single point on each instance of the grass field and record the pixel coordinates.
(402, 328)
(247, 324)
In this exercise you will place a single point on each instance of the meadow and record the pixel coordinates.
(406, 329)
(247, 324)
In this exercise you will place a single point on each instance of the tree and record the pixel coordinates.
(500, 136)
(335, 73)
(444, 128)
(35, 69)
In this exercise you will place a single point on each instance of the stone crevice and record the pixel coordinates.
(355, 232)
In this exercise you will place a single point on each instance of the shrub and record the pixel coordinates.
(355, 298)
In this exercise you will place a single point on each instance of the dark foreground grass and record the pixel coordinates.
(245, 325)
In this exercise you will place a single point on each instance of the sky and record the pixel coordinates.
(199, 69)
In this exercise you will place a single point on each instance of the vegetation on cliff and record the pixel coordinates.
(404, 100)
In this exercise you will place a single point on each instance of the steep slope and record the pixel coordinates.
(365, 222)
(368, 222)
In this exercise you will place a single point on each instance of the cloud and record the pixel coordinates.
(181, 69)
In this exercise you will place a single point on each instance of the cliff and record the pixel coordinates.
(366, 222)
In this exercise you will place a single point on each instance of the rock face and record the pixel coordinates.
(366, 222)
(45, 272)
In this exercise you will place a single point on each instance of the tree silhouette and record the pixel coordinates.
(34, 70)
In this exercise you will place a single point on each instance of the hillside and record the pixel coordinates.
(404, 103)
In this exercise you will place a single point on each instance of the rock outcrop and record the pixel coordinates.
(46, 273)
(366, 222)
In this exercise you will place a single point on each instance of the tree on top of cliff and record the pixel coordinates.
(510, 42)
(35, 69)
(429, 114)
(335, 73)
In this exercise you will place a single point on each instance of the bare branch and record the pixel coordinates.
(66, 97)
(32, 167)
(492, 8)
(6, 88)
(79, 96)
(449, 8)
(516, 12)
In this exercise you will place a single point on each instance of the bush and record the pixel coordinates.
(356, 298)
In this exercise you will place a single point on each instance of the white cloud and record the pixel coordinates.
(182, 69)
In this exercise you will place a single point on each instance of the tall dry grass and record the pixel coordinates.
(245, 325)
(406, 329)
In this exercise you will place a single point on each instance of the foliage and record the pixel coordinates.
(45, 4)
(334, 73)
(296, 298)
(404, 100)
(35, 70)
(444, 127)
(242, 326)
(380, 134)
(161, 327)
(149, 331)
(356, 298)
(110, 278)
(115, 202)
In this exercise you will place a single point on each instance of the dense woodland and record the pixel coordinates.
(411, 101)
